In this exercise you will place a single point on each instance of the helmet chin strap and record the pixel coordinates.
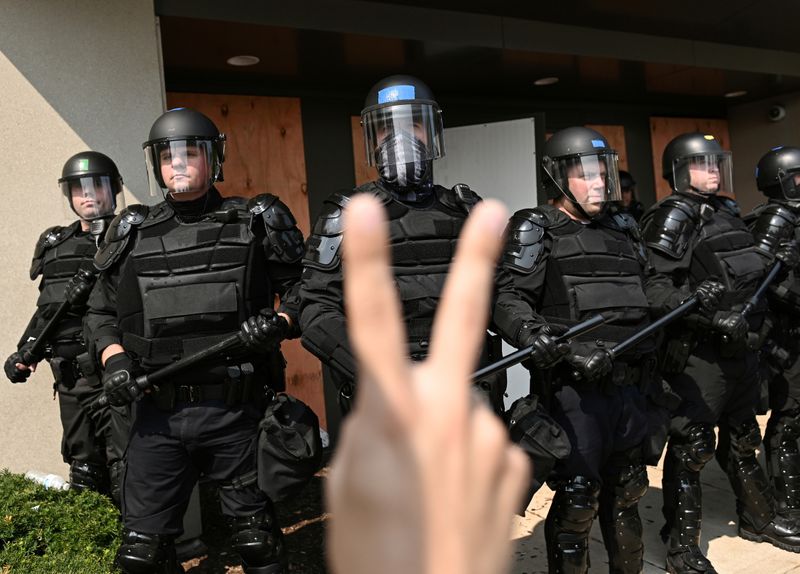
(582, 211)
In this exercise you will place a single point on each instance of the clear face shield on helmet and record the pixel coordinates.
(183, 166)
(790, 184)
(401, 140)
(92, 197)
(706, 174)
(589, 180)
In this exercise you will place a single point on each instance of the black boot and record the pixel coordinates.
(683, 502)
(782, 445)
(755, 502)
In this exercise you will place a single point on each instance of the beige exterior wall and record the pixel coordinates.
(753, 135)
(75, 75)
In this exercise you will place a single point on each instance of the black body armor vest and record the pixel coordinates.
(591, 268)
(60, 253)
(422, 242)
(187, 285)
(722, 246)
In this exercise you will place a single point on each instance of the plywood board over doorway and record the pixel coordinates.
(265, 154)
(664, 130)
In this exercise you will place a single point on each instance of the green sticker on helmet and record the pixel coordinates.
(83, 164)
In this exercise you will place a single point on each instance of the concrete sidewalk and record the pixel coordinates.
(728, 553)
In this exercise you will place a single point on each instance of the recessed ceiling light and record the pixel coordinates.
(548, 81)
(736, 94)
(244, 60)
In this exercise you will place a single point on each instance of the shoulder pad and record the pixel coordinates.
(669, 226)
(234, 202)
(624, 221)
(370, 187)
(118, 235)
(275, 213)
(322, 251)
(285, 239)
(460, 197)
(774, 223)
(466, 196)
(524, 235)
(155, 214)
(231, 209)
(50, 238)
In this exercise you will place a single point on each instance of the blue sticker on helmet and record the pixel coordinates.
(396, 93)
(598, 143)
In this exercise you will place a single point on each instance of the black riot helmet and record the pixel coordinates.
(189, 146)
(579, 164)
(778, 173)
(91, 183)
(626, 181)
(402, 131)
(696, 162)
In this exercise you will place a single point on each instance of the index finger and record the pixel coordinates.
(374, 319)
(460, 326)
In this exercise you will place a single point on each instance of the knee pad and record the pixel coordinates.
(87, 476)
(745, 439)
(697, 449)
(575, 504)
(259, 542)
(142, 553)
(630, 484)
(782, 427)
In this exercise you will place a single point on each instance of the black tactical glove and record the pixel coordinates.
(709, 293)
(732, 324)
(78, 288)
(119, 381)
(547, 350)
(14, 374)
(788, 255)
(591, 366)
(265, 331)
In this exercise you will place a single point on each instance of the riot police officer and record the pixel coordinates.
(773, 224)
(176, 278)
(403, 136)
(91, 185)
(629, 203)
(569, 261)
(696, 234)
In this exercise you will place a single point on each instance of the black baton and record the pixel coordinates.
(144, 382)
(36, 350)
(518, 356)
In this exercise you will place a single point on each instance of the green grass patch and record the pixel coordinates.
(53, 531)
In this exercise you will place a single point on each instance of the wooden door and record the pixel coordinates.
(265, 155)
(663, 130)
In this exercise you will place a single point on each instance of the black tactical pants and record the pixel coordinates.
(714, 388)
(599, 423)
(605, 475)
(167, 452)
(81, 440)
